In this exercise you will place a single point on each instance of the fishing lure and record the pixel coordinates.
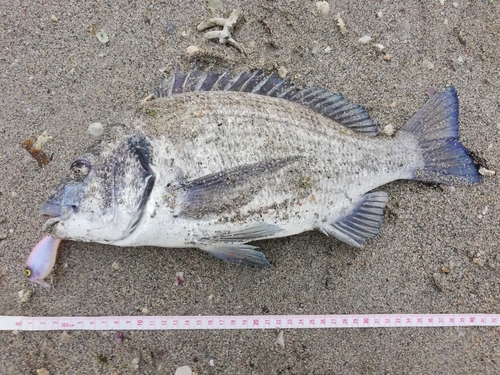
(42, 260)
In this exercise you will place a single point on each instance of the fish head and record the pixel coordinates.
(105, 192)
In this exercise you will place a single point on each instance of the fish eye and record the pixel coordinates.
(80, 169)
(28, 272)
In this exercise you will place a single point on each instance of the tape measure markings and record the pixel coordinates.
(102, 323)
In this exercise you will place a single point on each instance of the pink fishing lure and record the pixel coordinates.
(42, 260)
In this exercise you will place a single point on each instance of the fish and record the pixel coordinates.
(217, 161)
(41, 260)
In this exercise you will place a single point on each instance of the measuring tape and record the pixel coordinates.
(101, 323)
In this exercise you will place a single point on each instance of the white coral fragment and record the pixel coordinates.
(41, 140)
(224, 35)
(486, 172)
(340, 24)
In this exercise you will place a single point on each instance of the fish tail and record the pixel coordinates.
(435, 126)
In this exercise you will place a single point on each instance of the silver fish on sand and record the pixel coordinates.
(222, 161)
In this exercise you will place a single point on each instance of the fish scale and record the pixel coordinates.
(222, 161)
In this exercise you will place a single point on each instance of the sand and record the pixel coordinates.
(56, 77)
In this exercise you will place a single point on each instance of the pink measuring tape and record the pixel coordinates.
(101, 323)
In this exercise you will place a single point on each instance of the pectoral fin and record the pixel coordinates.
(362, 222)
(229, 189)
(252, 232)
(238, 254)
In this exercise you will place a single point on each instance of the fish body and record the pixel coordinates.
(221, 162)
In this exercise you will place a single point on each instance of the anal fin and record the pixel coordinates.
(238, 254)
(362, 222)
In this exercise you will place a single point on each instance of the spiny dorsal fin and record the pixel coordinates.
(329, 104)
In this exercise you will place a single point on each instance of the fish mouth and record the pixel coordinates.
(56, 210)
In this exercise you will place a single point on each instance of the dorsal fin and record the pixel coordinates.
(328, 104)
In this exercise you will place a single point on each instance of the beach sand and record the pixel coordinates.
(56, 76)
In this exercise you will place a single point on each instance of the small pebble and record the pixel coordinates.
(192, 50)
(441, 2)
(379, 14)
(144, 310)
(427, 64)
(455, 5)
(183, 370)
(282, 72)
(24, 296)
(389, 130)
(483, 212)
(445, 21)
(445, 269)
(42, 371)
(431, 91)
(460, 59)
(328, 49)
(135, 363)
(179, 278)
(212, 363)
(102, 37)
(478, 261)
(365, 39)
(53, 18)
(323, 7)
(387, 57)
(96, 129)
(115, 266)
(439, 281)
(379, 46)
(64, 337)
(280, 340)
(119, 337)
(486, 172)
(214, 5)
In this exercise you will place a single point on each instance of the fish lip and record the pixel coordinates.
(56, 213)
(56, 210)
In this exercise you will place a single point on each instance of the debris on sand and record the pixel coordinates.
(24, 296)
(365, 39)
(179, 278)
(192, 51)
(282, 72)
(224, 35)
(96, 129)
(102, 37)
(280, 340)
(183, 370)
(389, 130)
(483, 212)
(34, 147)
(340, 24)
(486, 172)
(428, 64)
(478, 262)
(323, 7)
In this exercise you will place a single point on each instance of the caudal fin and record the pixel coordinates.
(435, 126)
